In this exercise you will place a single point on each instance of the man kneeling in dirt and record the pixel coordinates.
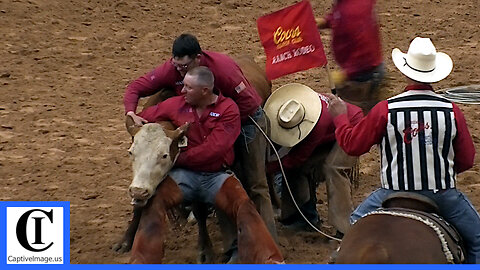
(300, 120)
(200, 172)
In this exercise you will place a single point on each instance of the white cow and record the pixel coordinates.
(153, 151)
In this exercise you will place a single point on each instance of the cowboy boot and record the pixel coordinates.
(148, 246)
(255, 244)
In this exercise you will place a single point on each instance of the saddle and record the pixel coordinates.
(425, 208)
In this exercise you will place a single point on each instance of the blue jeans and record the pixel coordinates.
(248, 130)
(454, 207)
(199, 186)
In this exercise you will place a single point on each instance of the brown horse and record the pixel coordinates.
(403, 231)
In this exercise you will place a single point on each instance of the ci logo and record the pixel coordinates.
(38, 221)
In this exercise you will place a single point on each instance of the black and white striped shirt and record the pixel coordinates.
(416, 150)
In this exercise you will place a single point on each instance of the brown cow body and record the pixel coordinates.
(151, 161)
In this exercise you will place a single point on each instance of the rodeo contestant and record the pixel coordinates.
(357, 49)
(423, 140)
(167, 80)
(300, 120)
(199, 173)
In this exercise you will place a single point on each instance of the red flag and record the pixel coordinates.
(291, 40)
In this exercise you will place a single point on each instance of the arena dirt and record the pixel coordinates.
(65, 65)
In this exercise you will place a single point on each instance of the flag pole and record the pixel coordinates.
(331, 84)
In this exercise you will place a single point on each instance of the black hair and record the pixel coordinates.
(186, 44)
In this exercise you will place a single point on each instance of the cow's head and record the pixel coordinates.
(153, 153)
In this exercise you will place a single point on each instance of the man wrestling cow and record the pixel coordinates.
(200, 174)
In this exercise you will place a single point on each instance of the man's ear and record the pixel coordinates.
(205, 91)
(197, 59)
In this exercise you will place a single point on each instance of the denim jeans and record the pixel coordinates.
(248, 130)
(454, 207)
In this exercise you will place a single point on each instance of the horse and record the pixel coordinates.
(406, 230)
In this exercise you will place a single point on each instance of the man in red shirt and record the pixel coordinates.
(200, 174)
(167, 80)
(423, 141)
(357, 50)
(300, 121)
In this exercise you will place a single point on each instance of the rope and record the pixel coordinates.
(462, 94)
(288, 186)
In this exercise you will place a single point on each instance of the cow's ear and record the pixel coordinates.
(130, 125)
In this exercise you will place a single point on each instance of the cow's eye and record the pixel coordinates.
(165, 156)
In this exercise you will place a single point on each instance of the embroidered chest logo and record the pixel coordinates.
(214, 114)
(416, 128)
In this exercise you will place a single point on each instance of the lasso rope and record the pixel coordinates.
(462, 94)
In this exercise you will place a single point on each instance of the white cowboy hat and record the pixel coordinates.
(422, 62)
(293, 110)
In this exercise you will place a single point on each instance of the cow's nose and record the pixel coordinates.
(138, 193)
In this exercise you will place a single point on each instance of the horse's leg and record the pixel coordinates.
(255, 243)
(125, 244)
(205, 248)
(148, 246)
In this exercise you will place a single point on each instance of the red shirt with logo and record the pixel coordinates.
(357, 139)
(229, 80)
(356, 40)
(210, 136)
(322, 133)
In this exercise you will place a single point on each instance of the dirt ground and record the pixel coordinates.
(65, 66)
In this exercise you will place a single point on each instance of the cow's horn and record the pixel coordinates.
(130, 125)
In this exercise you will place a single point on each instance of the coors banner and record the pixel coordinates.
(291, 40)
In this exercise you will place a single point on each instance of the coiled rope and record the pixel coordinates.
(469, 94)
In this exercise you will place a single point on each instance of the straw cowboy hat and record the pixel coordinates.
(422, 62)
(293, 110)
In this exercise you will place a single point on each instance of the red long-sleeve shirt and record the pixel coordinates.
(210, 136)
(229, 80)
(357, 139)
(322, 133)
(356, 39)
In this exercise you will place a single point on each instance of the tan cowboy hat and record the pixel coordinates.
(422, 62)
(293, 110)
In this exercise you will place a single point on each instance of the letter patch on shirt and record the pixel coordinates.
(240, 87)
